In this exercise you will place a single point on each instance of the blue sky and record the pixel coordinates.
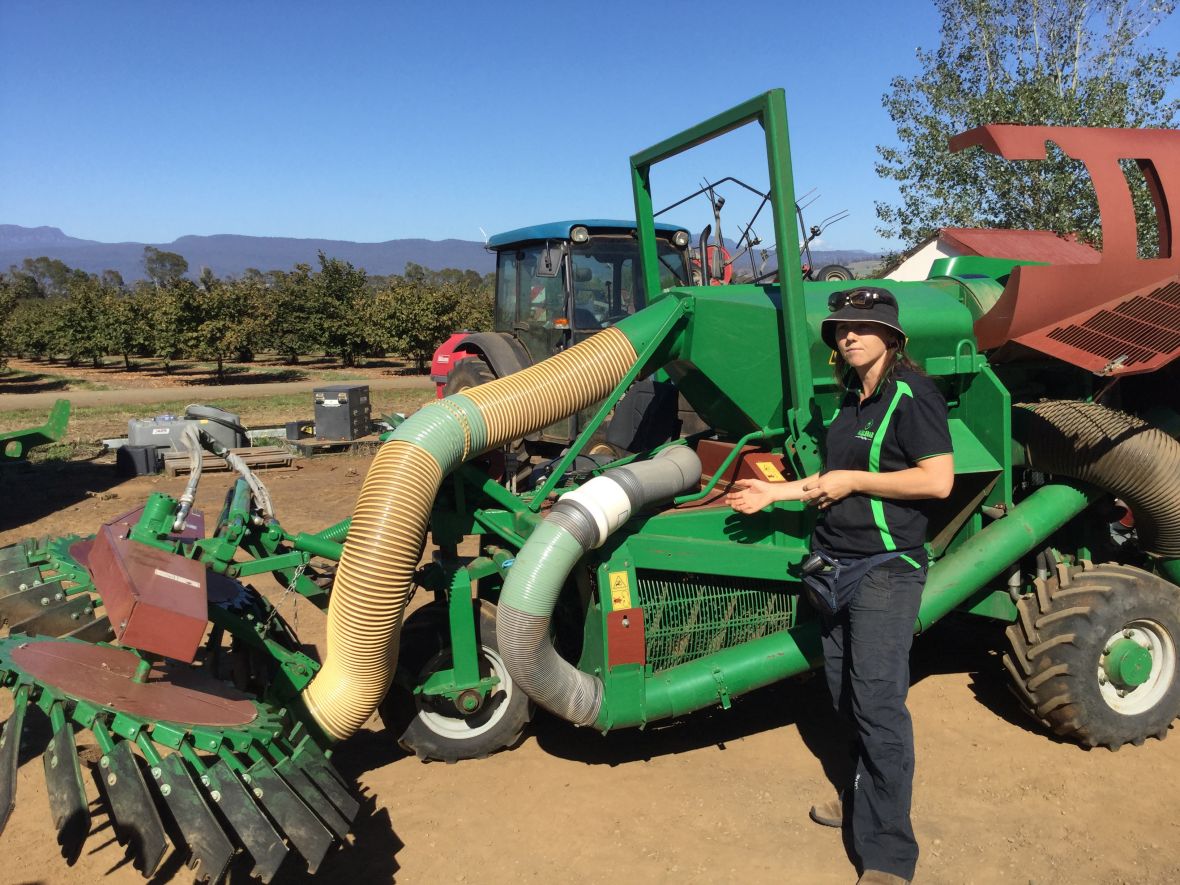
(373, 121)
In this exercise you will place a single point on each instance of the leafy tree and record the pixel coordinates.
(291, 324)
(7, 306)
(1043, 62)
(32, 328)
(473, 309)
(112, 279)
(162, 267)
(82, 320)
(124, 331)
(49, 276)
(224, 321)
(170, 315)
(414, 314)
(207, 279)
(24, 285)
(410, 318)
(340, 294)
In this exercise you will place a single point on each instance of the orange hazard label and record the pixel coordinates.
(620, 591)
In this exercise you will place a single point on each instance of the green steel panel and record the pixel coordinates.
(996, 604)
(985, 408)
(970, 454)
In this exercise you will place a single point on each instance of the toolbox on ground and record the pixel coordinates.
(342, 411)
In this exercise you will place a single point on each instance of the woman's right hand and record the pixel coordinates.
(749, 495)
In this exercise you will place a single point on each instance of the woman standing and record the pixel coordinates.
(888, 448)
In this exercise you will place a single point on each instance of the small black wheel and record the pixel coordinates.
(433, 728)
(1094, 654)
(832, 272)
(471, 371)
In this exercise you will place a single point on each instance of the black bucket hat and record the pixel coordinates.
(864, 304)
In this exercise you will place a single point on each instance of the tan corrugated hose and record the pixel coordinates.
(526, 401)
(389, 526)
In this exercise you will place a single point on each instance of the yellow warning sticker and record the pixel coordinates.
(620, 591)
(770, 471)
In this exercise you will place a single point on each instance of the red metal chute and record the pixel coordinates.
(1121, 315)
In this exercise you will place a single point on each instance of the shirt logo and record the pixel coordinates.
(866, 432)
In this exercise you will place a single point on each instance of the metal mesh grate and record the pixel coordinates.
(1137, 331)
(689, 616)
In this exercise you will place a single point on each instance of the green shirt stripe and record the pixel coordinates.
(876, 504)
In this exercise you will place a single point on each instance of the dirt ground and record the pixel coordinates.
(720, 796)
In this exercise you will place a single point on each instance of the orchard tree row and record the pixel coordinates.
(51, 311)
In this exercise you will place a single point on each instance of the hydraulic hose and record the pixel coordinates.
(191, 441)
(386, 534)
(581, 520)
(1117, 452)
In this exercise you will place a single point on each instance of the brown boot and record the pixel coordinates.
(876, 877)
(829, 814)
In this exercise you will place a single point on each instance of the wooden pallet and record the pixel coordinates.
(256, 458)
(364, 445)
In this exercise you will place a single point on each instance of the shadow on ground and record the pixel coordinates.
(32, 382)
(963, 643)
(33, 491)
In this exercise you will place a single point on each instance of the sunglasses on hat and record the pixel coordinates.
(862, 298)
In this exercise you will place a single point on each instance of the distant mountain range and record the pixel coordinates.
(231, 254)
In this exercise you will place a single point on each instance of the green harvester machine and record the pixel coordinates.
(627, 593)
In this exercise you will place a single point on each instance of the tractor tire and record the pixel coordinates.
(433, 729)
(469, 372)
(1094, 654)
(832, 273)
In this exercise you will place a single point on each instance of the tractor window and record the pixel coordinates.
(521, 297)
(535, 301)
(506, 285)
(672, 268)
(605, 278)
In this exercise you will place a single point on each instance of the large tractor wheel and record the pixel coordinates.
(1094, 654)
(832, 273)
(468, 372)
(433, 727)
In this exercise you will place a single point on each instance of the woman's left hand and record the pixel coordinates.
(828, 488)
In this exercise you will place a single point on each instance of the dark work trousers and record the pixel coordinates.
(867, 664)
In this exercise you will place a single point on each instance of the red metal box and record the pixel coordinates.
(156, 601)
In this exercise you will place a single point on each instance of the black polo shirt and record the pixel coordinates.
(903, 422)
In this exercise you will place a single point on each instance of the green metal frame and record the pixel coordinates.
(15, 444)
(770, 112)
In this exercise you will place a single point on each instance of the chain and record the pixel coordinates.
(287, 592)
